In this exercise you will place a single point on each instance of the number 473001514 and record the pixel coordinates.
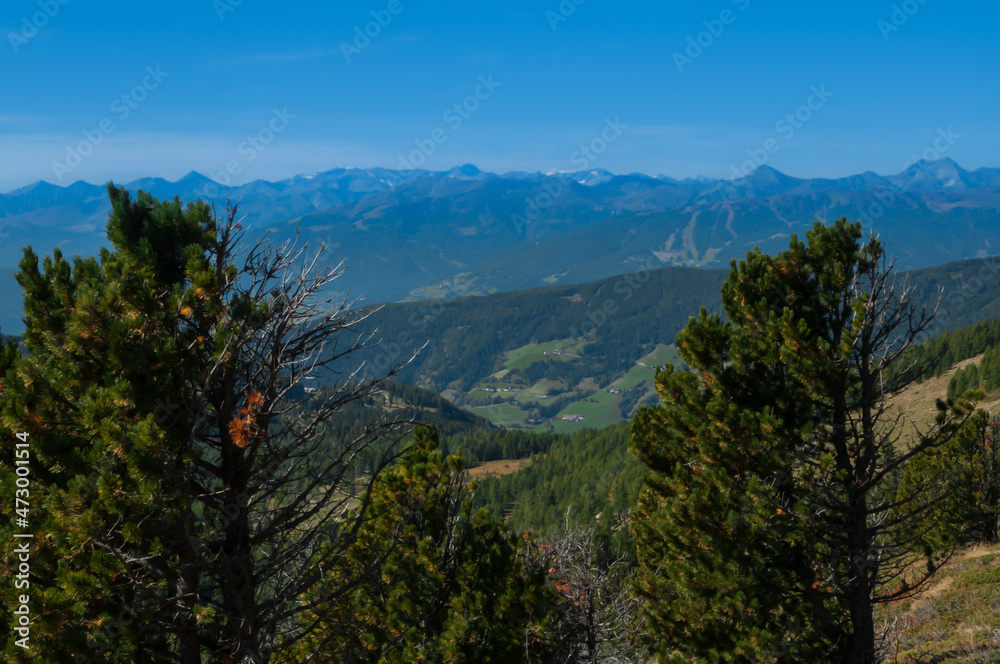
(22, 461)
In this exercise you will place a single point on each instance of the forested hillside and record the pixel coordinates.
(466, 337)
(620, 318)
(984, 375)
(585, 479)
(936, 355)
(542, 358)
(590, 477)
(398, 400)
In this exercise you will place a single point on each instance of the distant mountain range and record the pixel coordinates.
(417, 234)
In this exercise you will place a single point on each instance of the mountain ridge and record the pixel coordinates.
(419, 234)
(910, 176)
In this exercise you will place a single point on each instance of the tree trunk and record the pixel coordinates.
(189, 648)
(240, 596)
(861, 647)
(239, 582)
(186, 589)
(863, 565)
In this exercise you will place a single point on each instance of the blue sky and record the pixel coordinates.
(695, 88)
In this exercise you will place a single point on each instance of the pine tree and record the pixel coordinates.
(960, 482)
(762, 534)
(176, 474)
(433, 581)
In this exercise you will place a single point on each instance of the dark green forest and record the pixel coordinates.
(937, 355)
(984, 375)
(587, 479)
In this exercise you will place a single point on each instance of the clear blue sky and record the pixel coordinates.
(226, 65)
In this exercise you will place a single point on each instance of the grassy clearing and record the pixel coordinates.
(503, 414)
(598, 410)
(530, 397)
(478, 394)
(635, 377)
(917, 401)
(956, 620)
(498, 375)
(525, 356)
(644, 369)
(546, 386)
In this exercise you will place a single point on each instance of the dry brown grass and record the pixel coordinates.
(917, 402)
(956, 619)
(497, 468)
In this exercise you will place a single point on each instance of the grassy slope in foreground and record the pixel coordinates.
(956, 619)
